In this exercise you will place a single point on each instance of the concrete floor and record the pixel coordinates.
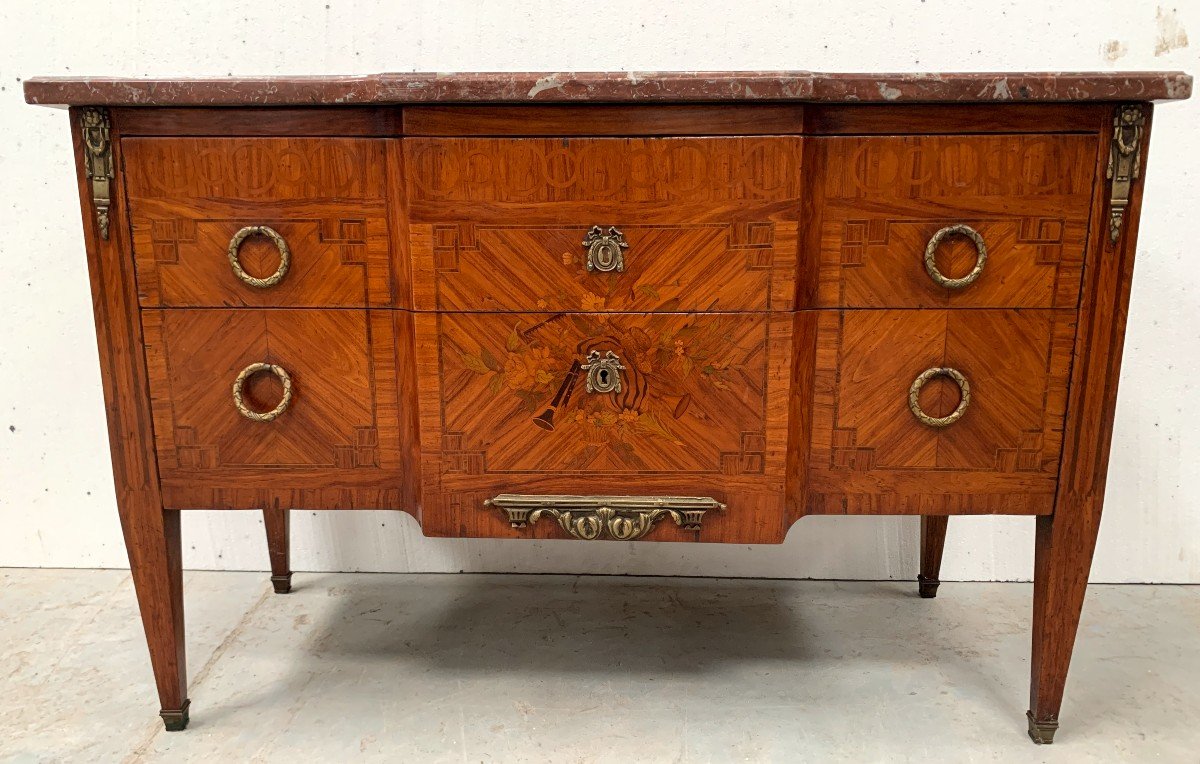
(471, 668)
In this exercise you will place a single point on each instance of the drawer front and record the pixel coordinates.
(1001, 220)
(705, 267)
(874, 449)
(339, 427)
(618, 224)
(522, 404)
(263, 222)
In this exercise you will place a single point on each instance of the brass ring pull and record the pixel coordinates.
(285, 256)
(604, 249)
(262, 416)
(931, 254)
(915, 391)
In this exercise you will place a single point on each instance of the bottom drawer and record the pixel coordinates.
(296, 406)
(691, 405)
(995, 449)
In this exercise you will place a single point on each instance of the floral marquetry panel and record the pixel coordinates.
(700, 403)
(692, 396)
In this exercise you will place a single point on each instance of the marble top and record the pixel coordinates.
(566, 87)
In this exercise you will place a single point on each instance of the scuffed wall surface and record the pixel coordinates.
(56, 499)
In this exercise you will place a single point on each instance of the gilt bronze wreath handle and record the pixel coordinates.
(981, 254)
(262, 416)
(285, 256)
(914, 393)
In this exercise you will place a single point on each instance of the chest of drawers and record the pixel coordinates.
(594, 307)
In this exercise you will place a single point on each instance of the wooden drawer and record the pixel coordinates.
(871, 452)
(701, 410)
(881, 201)
(325, 198)
(698, 267)
(344, 427)
(700, 224)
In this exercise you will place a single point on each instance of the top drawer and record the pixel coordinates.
(952, 221)
(603, 224)
(270, 222)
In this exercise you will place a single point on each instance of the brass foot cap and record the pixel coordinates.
(927, 587)
(1041, 733)
(282, 584)
(176, 721)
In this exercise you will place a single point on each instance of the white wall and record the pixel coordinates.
(56, 497)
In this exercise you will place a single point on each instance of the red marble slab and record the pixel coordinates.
(566, 87)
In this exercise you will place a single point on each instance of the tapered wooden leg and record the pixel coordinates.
(278, 544)
(151, 534)
(933, 539)
(1066, 540)
(1062, 558)
(155, 562)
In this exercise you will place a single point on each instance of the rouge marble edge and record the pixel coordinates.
(576, 87)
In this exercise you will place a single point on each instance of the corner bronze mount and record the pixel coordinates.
(97, 143)
(1124, 163)
(624, 518)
